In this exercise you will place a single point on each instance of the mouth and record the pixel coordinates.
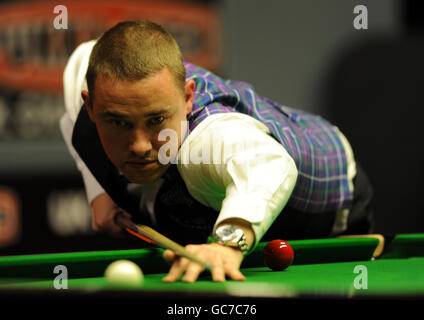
(141, 165)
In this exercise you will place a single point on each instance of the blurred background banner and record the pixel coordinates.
(10, 217)
(36, 40)
(33, 51)
(304, 54)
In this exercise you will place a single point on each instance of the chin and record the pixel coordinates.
(141, 180)
(145, 178)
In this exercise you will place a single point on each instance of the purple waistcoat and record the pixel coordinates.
(313, 143)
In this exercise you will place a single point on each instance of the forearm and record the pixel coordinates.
(253, 179)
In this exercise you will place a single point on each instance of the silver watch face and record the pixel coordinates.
(229, 233)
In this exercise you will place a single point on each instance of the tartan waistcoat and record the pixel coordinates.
(322, 184)
(314, 144)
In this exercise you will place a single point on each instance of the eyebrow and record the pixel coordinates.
(117, 115)
(156, 113)
(111, 114)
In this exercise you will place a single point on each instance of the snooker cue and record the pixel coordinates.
(158, 238)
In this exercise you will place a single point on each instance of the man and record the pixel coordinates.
(174, 146)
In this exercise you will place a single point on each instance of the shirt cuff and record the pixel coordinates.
(247, 208)
(261, 213)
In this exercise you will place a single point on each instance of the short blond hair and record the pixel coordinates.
(134, 50)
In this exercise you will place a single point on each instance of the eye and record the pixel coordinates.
(120, 123)
(156, 121)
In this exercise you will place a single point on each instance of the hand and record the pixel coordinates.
(224, 261)
(104, 211)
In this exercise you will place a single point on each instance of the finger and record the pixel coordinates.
(111, 227)
(192, 272)
(95, 226)
(177, 269)
(106, 226)
(234, 273)
(120, 221)
(218, 274)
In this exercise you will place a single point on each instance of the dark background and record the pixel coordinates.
(306, 55)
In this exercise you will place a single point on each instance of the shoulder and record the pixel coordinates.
(78, 60)
(201, 76)
(226, 132)
(230, 124)
(74, 78)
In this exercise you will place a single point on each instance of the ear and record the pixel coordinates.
(190, 87)
(86, 97)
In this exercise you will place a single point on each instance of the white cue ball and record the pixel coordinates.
(124, 272)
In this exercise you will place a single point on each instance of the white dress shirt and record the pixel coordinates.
(245, 173)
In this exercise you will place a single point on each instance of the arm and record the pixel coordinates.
(73, 83)
(103, 208)
(250, 185)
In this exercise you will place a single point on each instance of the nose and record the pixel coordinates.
(140, 144)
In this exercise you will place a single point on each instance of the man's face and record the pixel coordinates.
(129, 116)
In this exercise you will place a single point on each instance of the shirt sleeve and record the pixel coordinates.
(73, 83)
(92, 187)
(74, 78)
(231, 163)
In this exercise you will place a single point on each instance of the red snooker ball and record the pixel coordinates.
(278, 255)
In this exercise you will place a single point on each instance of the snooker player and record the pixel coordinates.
(137, 121)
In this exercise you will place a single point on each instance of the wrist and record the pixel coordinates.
(245, 225)
(230, 235)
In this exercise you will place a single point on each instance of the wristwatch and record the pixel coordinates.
(230, 236)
